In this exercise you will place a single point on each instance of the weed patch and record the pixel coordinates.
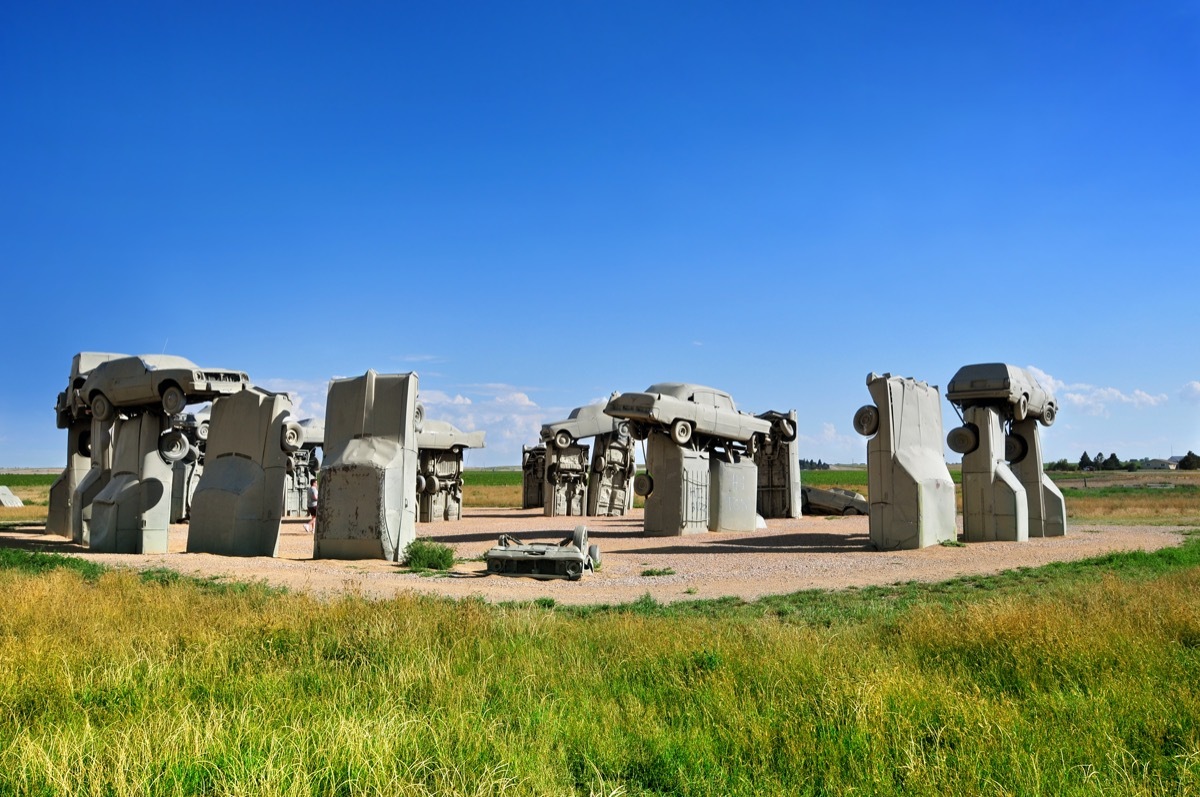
(425, 554)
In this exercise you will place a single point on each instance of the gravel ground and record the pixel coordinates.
(790, 555)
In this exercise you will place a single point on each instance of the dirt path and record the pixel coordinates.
(790, 555)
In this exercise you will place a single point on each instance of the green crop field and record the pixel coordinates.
(492, 478)
(1071, 679)
(27, 479)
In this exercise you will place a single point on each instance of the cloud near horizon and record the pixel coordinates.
(1094, 399)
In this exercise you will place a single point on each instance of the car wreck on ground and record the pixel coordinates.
(569, 559)
(832, 501)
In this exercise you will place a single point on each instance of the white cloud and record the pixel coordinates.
(830, 438)
(1191, 392)
(1093, 399)
(308, 397)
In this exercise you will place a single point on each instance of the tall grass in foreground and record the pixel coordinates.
(111, 685)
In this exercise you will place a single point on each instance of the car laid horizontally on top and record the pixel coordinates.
(684, 410)
(999, 383)
(154, 380)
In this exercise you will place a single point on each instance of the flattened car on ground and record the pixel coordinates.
(569, 559)
(834, 501)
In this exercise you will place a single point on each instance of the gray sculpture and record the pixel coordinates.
(566, 480)
(368, 501)
(612, 466)
(699, 450)
(160, 381)
(1001, 406)
(99, 474)
(62, 511)
(610, 487)
(908, 484)
(238, 504)
(186, 473)
(675, 486)
(569, 559)
(303, 466)
(533, 476)
(778, 461)
(440, 449)
(685, 410)
(132, 513)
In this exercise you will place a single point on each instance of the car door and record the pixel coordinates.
(130, 382)
(706, 414)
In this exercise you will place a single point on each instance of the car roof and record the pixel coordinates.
(683, 390)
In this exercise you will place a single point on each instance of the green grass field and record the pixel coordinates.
(1072, 679)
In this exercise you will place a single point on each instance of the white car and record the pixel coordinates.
(685, 410)
(998, 383)
(586, 421)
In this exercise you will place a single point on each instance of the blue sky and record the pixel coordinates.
(534, 204)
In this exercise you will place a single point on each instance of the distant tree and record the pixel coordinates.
(1098, 460)
(1060, 464)
(1085, 461)
(1190, 462)
(1112, 463)
(1132, 465)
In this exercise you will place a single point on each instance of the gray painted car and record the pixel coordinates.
(834, 501)
(583, 422)
(992, 383)
(155, 380)
(685, 410)
(569, 559)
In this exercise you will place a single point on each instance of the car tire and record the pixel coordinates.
(579, 538)
(420, 484)
(202, 431)
(102, 408)
(432, 484)
(418, 417)
(173, 446)
(681, 432)
(1020, 408)
(1016, 448)
(850, 512)
(291, 436)
(643, 485)
(866, 420)
(1048, 414)
(574, 571)
(963, 439)
(552, 473)
(638, 431)
(593, 552)
(623, 429)
(174, 400)
(787, 429)
(562, 439)
(598, 463)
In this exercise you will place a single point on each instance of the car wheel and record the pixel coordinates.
(419, 417)
(638, 431)
(562, 438)
(1048, 414)
(643, 485)
(598, 463)
(102, 408)
(849, 511)
(1020, 408)
(963, 439)
(574, 571)
(495, 565)
(787, 429)
(173, 400)
(173, 446)
(866, 420)
(593, 553)
(202, 431)
(1016, 448)
(83, 446)
(291, 436)
(623, 429)
(579, 538)
(432, 484)
(681, 432)
(420, 483)
(552, 473)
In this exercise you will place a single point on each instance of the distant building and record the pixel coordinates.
(1161, 464)
(1175, 460)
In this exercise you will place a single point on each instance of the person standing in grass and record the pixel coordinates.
(312, 507)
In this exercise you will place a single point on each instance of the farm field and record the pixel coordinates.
(125, 675)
